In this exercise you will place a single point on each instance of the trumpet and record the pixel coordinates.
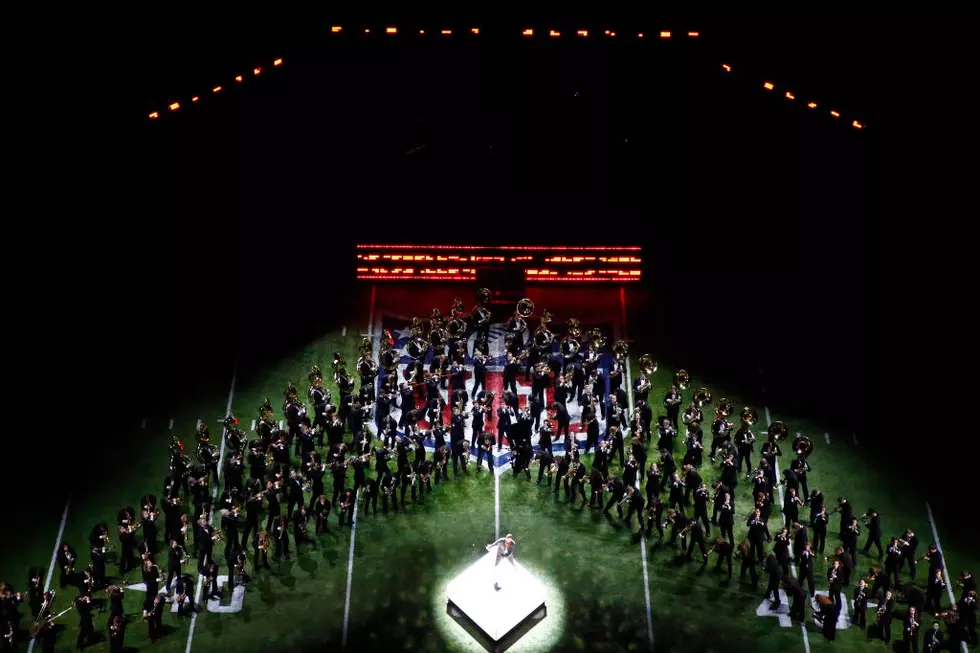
(626, 497)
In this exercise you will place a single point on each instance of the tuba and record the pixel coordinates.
(484, 296)
(525, 308)
(481, 317)
(386, 339)
(569, 346)
(545, 317)
(367, 366)
(702, 397)
(725, 408)
(438, 338)
(647, 365)
(778, 431)
(596, 339)
(417, 347)
(543, 338)
(621, 350)
(749, 416)
(389, 359)
(574, 327)
(417, 328)
(802, 446)
(682, 379)
(456, 327)
(366, 347)
(315, 374)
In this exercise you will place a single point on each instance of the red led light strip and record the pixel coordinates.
(518, 248)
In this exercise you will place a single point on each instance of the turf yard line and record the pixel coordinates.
(350, 567)
(54, 559)
(643, 539)
(939, 547)
(214, 497)
(779, 489)
(496, 502)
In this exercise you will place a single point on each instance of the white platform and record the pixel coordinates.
(496, 612)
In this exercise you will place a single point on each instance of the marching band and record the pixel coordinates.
(283, 470)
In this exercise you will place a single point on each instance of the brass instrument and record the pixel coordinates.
(725, 408)
(647, 365)
(574, 327)
(626, 497)
(481, 316)
(417, 347)
(386, 339)
(702, 397)
(569, 346)
(543, 338)
(367, 366)
(41, 624)
(456, 327)
(778, 431)
(682, 379)
(438, 338)
(389, 360)
(315, 374)
(749, 416)
(803, 446)
(525, 308)
(621, 350)
(596, 339)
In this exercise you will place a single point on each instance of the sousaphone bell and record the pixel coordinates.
(621, 350)
(682, 379)
(802, 446)
(702, 397)
(778, 431)
(647, 365)
(749, 416)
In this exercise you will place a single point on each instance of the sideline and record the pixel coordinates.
(54, 560)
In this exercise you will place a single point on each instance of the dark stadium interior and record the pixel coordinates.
(149, 255)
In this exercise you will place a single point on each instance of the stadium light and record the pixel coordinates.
(583, 32)
(216, 89)
(174, 106)
(812, 105)
(391, 30)
(256, 71)
(336, 28)
(665, 35)
(154, 115)
(640, 35)
(693, 35)
(790, 96)
(238, 78)
(421, 31)
(554, 33)
(835, 114)
(277, 62)
(727, 68)
(528, 32)
(446, 32)
(857, 125)
(768, 86)
(195, 99)
(475, 30)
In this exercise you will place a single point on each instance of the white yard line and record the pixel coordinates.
(353, 520)
(350, 567)
(826, 436)
(779, 489)
(854, 437)
(54, 559)
(643, 539)
(496, 502)
(171, 427)
(343, 332)
(939, 547)
(214, 496)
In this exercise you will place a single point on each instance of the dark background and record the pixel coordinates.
(154, 252)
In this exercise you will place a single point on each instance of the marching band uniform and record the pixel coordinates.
(874, 533)
(861, 605)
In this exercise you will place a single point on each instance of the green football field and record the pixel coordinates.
(381, 585)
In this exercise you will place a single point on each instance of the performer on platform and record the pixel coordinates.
(505, 551)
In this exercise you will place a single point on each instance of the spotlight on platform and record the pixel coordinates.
(497, 600)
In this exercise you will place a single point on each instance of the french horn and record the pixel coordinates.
(456, 327)
(569, 346)
(389, 359)
(417, 347)
(543, 338)
(438, 338)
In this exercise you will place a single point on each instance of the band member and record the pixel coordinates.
(676, 497)
(591, 433)
(66, 563)
(154, 617)
(461, 456)
(505, 417)
(321, 511)
(564, 463)
(846, 514)
(693, 454)
(934, 640)
(884, 618)
(117, 633)
(874, 532)
(775, 572)
(701, 498)
(184, 593)
(819, 523)
(834, 583)
(861, 604)
(934, 590)
(635, 499)
(280, 534)
(666, 434)
(827, 616)
(748, 564)
(575, 481)
(893, 560)
(745, 442)
(726, 518)
(672, 403)
(347, 501)
(655, 515)
(723, 549)
(546, 465)
(210, 582)
(781, 549)
(909, 543)
(615, 487)
(205, 539)
(797, 608)
(849, 538)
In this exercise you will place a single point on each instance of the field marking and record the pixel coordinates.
(54, 560)
(350, 566)
(826, 436)
(939, 547)
(197, 425)
(854, 436)
(496, 502)
(214, 496)
(643, 539)
(253, 424)
(343, 332)
(171, 427)
(779, 489)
